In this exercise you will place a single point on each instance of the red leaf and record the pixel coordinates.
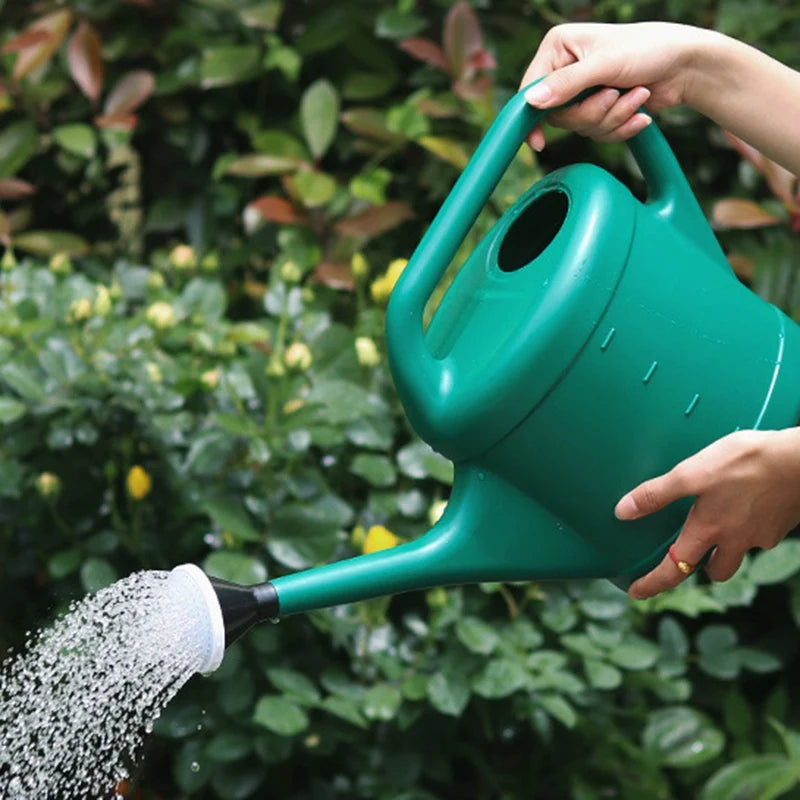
(473, 89)
(129, 93)
(85, 58)
(482, 59)
(26, 39)
(277, 209)
(122, 122)
(425, 50)
(15, 188)
(736, 212)
(462, 37)
(39, 41)
(335, 274)
(374, 221)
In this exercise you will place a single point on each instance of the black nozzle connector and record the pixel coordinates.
(244, 606)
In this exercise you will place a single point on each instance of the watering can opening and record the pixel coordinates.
(533, 230)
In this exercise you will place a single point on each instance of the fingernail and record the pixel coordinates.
(627, 508)
(608, 98)
(539, 94)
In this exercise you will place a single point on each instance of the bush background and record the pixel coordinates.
(199, 203)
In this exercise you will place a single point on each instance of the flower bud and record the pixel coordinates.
(436, 510)
(138, 483)
(79, 310)
(155, 280)
(102, 302)
(367, 352)
(60, 264)
(359, 266)
(210, 378)
(48, 484)
(379, 538)
(161, 315)
(290, 272)
(183, 257)
(298, 357)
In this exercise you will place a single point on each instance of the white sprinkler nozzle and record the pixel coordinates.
(189, 588)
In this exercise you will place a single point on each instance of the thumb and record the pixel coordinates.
(561, 86)
(651, 496)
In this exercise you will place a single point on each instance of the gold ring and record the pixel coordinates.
(684, 566)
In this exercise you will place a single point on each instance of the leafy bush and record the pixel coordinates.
(204, 207)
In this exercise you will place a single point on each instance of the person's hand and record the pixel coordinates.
(650, 59)
(747, 486)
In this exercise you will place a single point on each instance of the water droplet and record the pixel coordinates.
(194, 767)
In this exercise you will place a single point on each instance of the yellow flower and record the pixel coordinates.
(436, 510)
(290, 272)
(379, 538)
(102, 301)
(60, 263)
(80, 309)
(210, 378)
(359, 266)
(155, 280)
(138, 483)
(295, 404)
(382, 287)
(183, 257)
(367, 352)
(48, 484)
(161, 315)
(298, 356)
(153, 372)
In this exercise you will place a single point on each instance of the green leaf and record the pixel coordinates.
(257, 165)
(682, 737)
(601, 675)
(375, 469)
(96, 574)
(49, 243)
(382, 702)
(18, 143)
(634, 653)
(295, 684)
(344, 708)
(418, 460)
(316, 189)
(776, 565)
(230, 745)
(319, 113)
(262, 15)
(449, 694)
(224, 65)
(501, 677)
(203, 297)
(235, 567)
(77, 138)
(10, 410)
(392, 23)
(557, 707)
(476, 635)
(762, 777)
(63, 563)
(603, 601)
(230, 516)
(305, 534)
(280, 715)
(341, 401)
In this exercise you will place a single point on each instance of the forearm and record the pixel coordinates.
(748, 93)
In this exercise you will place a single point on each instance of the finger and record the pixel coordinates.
(724, 563)
(589, 115)
(636, 124)
(536, 139)
(562, 85)
(693, 542)
(627, 106)
(653, 495)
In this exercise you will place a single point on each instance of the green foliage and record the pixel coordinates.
(199, 202)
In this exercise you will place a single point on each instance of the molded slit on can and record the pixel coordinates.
(533, 230)
(650, 372)
(692, 405)
(607, 341)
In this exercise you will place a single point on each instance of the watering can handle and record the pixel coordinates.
(669, 194)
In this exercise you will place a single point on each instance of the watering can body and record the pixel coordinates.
(591, 341)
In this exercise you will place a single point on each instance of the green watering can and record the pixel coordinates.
(590, 341)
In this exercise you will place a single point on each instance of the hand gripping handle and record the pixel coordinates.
(669, 195)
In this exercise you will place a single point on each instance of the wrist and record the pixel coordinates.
(709, 68)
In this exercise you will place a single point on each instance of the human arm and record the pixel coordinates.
(747, 486)
(666, 64)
